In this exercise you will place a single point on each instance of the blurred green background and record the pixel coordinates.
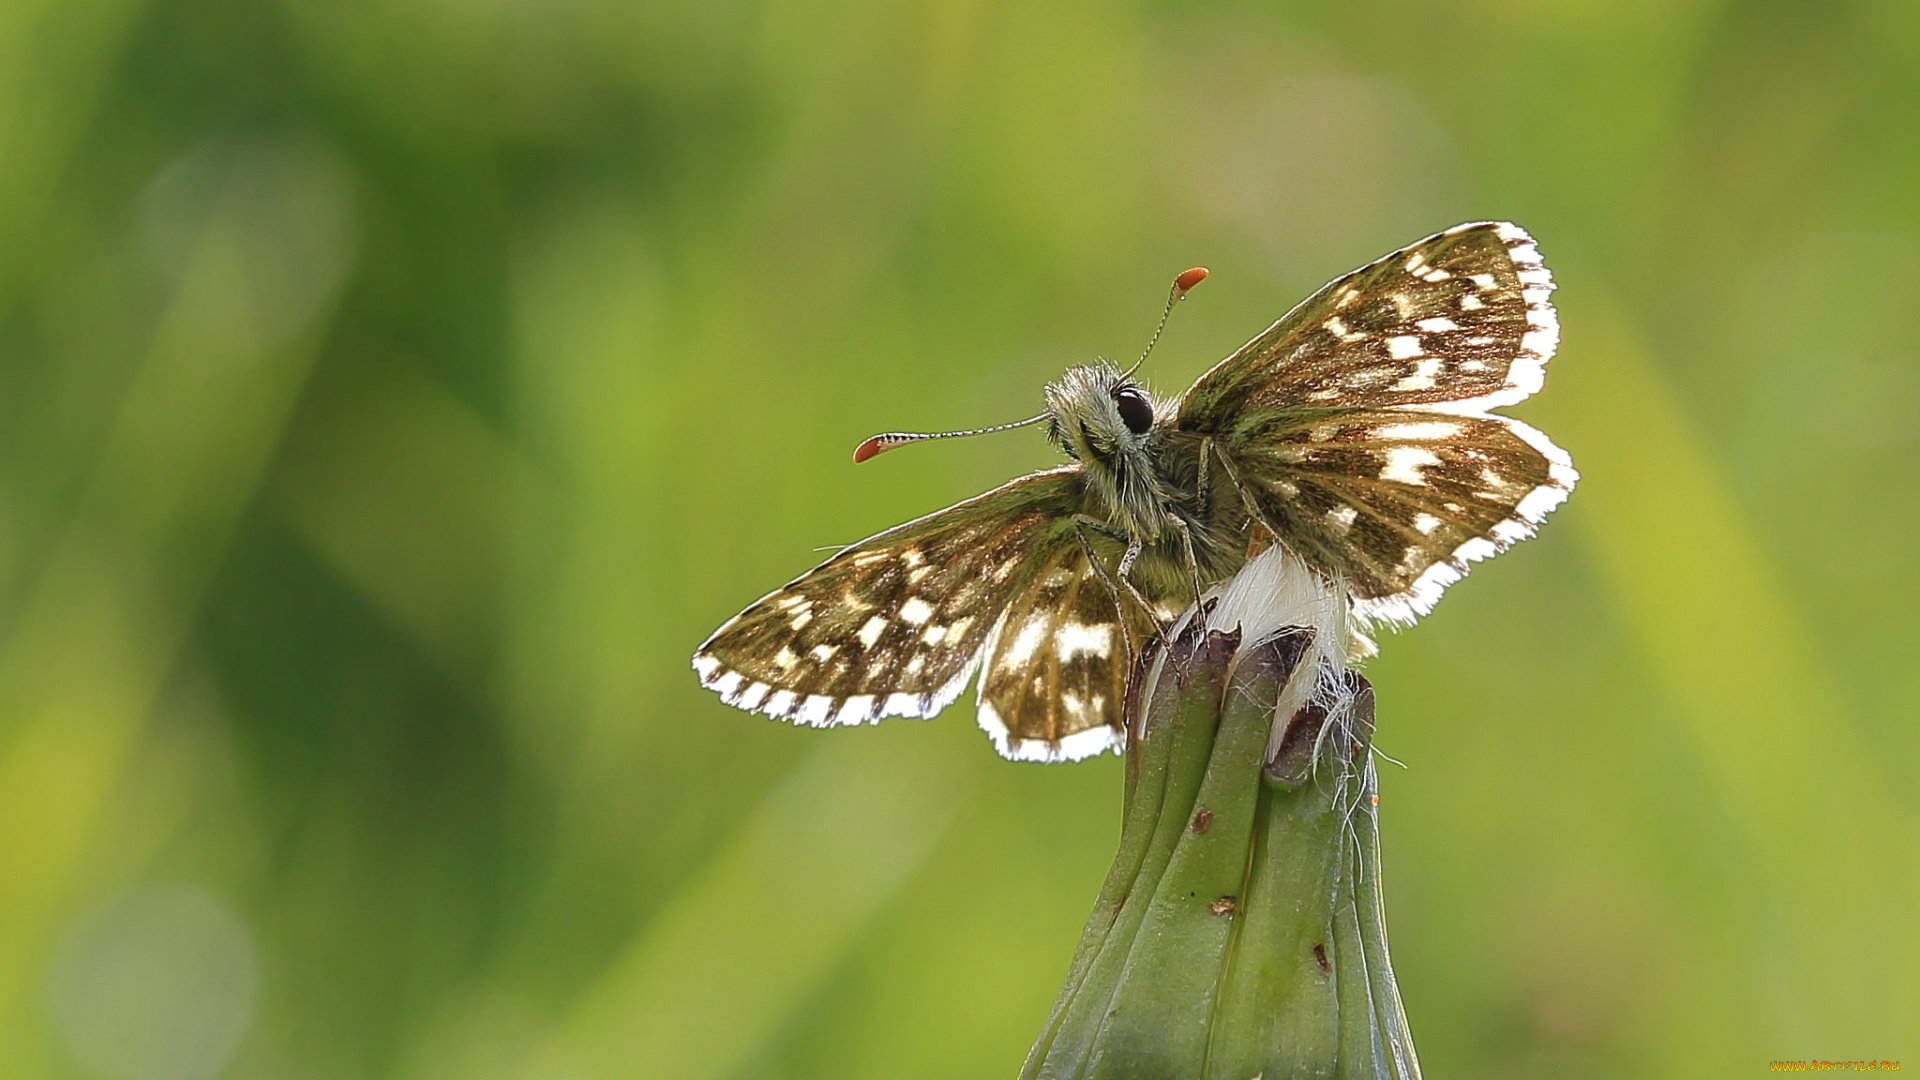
(393, 393)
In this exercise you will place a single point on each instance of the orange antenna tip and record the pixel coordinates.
(1188, 279)
(887, 440)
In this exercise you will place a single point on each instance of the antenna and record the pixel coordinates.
(1187, 280)
(882, 443)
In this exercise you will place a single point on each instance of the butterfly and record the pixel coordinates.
(1356, 432)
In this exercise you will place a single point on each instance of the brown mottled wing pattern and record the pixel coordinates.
(896, 624)
(1397, 502)
(1055, 673)
(1460, 320)
(1357, 425)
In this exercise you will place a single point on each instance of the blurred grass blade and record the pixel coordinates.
(713, 976)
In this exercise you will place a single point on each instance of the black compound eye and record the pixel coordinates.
(1136, 409)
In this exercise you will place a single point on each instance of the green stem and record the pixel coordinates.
(1239, 932)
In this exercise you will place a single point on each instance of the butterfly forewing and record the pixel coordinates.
(1459, 321)
(894, 625)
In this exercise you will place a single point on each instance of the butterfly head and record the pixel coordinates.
(1098, 416)
(1105, 420)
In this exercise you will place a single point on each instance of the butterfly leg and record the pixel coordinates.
(1125, 574)
(1203, 493)
(1193, 564)
(1084, 522)
(1253, 511)
(1165, 630)
(1100, 571)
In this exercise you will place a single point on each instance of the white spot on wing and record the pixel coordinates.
(1025, 643)
(1421, 431)
(1073, 639)
(1424, 377)
(1418, 266)
(1405, 462)
(916, 612)
(871, 630)
(1339, 329)
(1404, 347)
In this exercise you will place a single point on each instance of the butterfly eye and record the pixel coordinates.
(1136, 410)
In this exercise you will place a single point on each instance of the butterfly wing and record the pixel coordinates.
(1460, 320)
(1398, 502)
(896, 624)
(1357, 425)
(1055, 673)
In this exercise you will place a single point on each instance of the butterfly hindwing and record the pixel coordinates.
(893, 625)
(1397, 502)
(1460, 321)
(1055, 673)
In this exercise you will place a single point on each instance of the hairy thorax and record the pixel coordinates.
(1143, 476)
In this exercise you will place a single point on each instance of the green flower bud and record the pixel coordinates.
(1240, 932)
